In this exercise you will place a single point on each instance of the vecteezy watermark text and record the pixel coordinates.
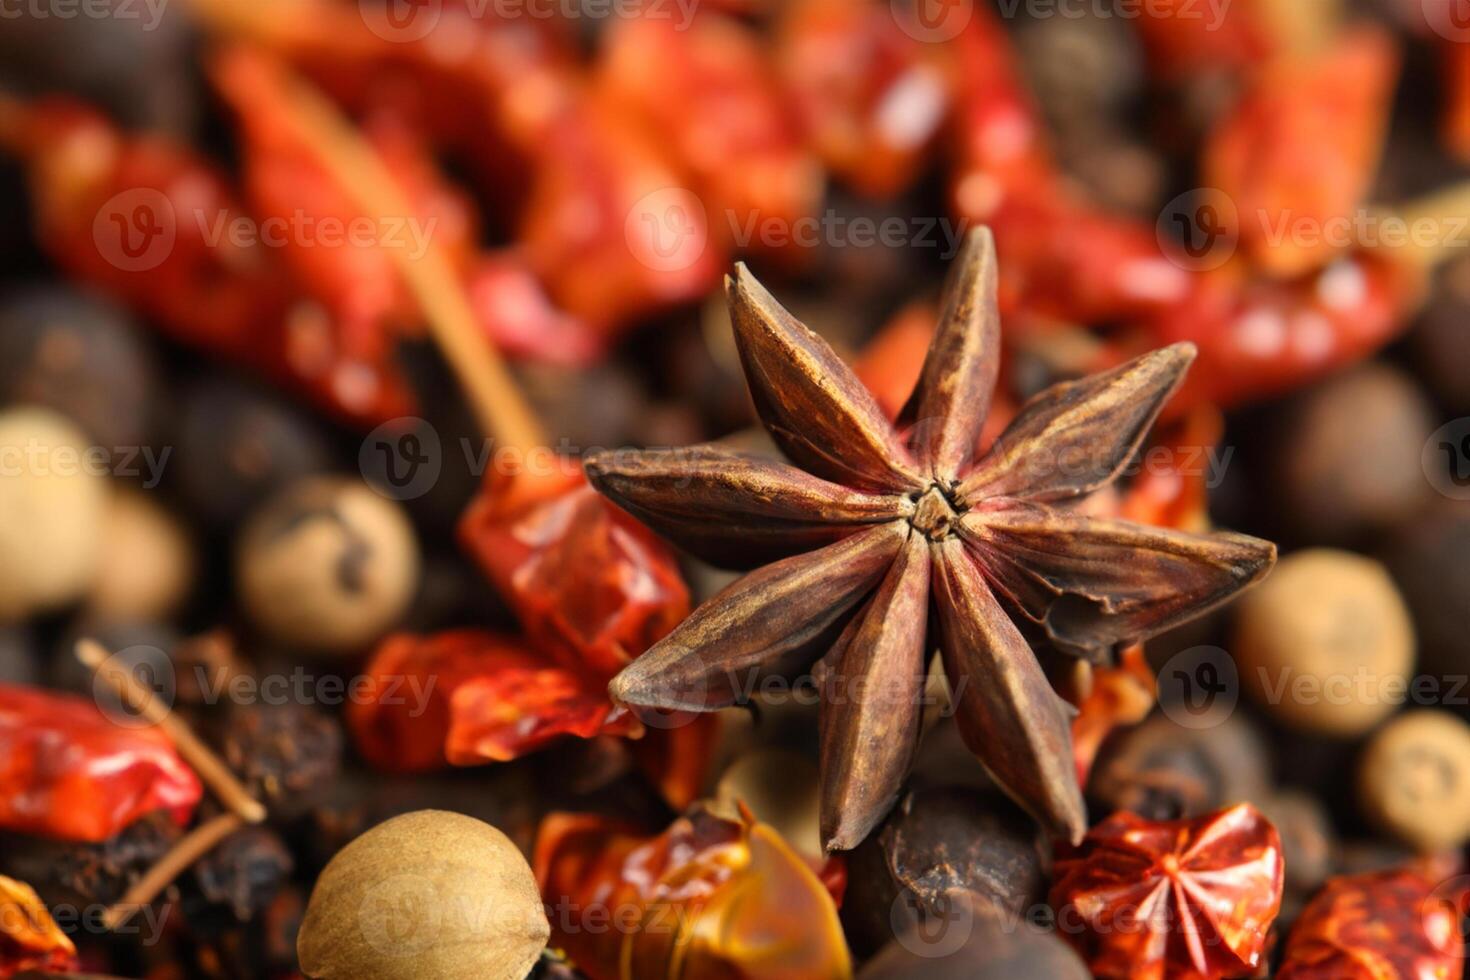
(37, 458)
(150, 12)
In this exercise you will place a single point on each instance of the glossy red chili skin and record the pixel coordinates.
(150, 222)
(1184, 38)
(1259, 337)
(1297, 153)
(466, 697)
(709, 89)
(69, 771)
(1171, 900)
(1387, 925)
(590, 585)
(871, 98)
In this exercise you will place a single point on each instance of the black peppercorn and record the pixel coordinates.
(1161, 770)
(79, 874)
(82, 357)
(976, 945)
(287, 754)
(236, 446)
(1346, 455)
(935, 842)
(1429, 558)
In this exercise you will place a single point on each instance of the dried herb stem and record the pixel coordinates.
(211, 769)
(341, 150)
(190, 848)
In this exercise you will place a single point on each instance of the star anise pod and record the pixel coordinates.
(884, 523)
(1173, 899)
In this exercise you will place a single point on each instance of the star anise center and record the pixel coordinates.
(936, 512)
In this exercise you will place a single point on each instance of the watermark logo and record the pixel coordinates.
(937, 930)
(402, 458)
(1199, 687)
(401, 915)
(667, 230)
(1444, 920)
(401, 21)
(150, 669)
(1446, 459)
(1199, 229)
(1450, 19)
(135, 229)
(932, 21)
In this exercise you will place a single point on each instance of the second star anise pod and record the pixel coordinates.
(884, 524)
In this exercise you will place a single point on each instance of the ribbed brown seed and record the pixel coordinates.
(1077, 436)
(870, 702)
(1007, 712)
(733, 510)
(994, 545)
(950, 402)
(1093, 584)
(776, 620)
(815, 408)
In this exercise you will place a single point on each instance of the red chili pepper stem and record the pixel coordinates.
(189, 848)
(497, 403)
(212, 770)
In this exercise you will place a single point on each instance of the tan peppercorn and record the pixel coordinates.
(427, 894)
(327, 565)
(1326, 643)
(145, 567)
(1414, 780)
(53, 495)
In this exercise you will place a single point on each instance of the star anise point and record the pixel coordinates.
(879, 530)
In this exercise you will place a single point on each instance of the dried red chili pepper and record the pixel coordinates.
(1383, 925)
(709, 897)
(1172, 487)
(610, 225)
(1456, 122)
(1186, 37)
(707, 88)
(872, 98)
(521, 319)
(590, 585)
(999, 141)
(1178, 899)
(1300, 148)
(1064, 259)
(150, 222)
(1120, 695)
(1259, 337)
(355, 278)
(29, 938)
(71, 772)
(1060, 257)
(469, 696)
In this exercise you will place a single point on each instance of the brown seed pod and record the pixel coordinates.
(1162, 770)
(1326, 643)
(327, 565)
(1430, 560)
(975, 944)
(426, 894)
(1414, 780)
(938, 843)
(1346, 456)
